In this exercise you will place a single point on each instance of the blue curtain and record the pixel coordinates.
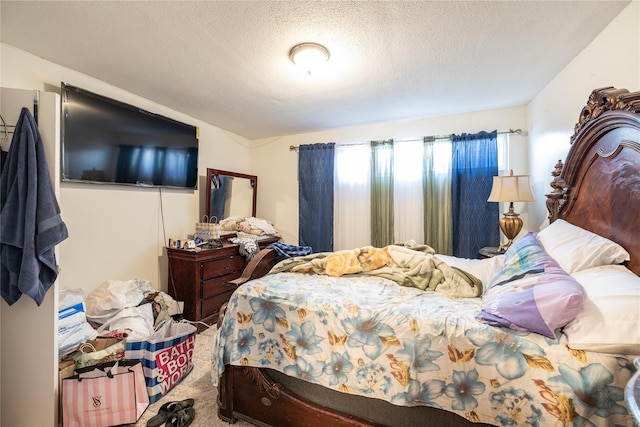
(475, 221)
(315, 193)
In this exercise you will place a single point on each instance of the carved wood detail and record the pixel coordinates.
(607, 99)
(558, 196)
(272, 389)
(630, 144)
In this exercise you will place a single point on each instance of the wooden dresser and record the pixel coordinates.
(201, 279)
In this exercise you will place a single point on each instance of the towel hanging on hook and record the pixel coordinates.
(30, 220)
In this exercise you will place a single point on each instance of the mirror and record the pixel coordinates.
(230, 194)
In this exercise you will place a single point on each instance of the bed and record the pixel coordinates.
(548, 340)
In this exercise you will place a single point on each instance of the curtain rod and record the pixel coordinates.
(510, 131)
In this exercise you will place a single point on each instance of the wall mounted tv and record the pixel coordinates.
(105, 141)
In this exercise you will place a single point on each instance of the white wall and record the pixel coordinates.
(117, 232)
(612, 59)
(277, 167)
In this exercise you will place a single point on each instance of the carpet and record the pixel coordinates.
(196, 385)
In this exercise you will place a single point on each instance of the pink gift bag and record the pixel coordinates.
(106, 394)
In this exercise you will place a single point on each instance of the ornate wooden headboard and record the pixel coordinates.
(598, 187)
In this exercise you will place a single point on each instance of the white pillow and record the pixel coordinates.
(609, 321)
(483, 269)
(576, 249)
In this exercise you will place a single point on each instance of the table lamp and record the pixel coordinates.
(511, 188)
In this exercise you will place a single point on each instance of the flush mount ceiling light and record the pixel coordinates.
(309, 56)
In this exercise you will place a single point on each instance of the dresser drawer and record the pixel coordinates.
(212, 305)
(213, 287)
(222, 266)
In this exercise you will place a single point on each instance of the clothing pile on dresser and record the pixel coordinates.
(249, 225)
(249, 231)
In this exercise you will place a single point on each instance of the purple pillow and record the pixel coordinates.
(539, 300)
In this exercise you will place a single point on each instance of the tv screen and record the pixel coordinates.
(110, 142)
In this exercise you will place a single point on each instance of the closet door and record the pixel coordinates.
(28, 333)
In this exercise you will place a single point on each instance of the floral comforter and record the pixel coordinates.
(368, 336)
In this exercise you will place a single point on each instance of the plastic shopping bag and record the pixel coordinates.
(166, 356)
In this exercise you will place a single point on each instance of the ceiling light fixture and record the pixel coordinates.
(309, 56)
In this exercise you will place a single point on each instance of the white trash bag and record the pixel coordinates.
(137, 322)
(113, 296)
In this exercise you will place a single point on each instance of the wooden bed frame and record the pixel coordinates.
(597, 188)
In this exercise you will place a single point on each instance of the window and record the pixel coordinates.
(352, 202)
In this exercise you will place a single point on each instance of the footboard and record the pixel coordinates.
(248, 393)
(269, 398)
(259, 265)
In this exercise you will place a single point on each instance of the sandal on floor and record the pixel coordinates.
(167, 410)
(181, 418)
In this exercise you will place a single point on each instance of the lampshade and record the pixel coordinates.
(511, 188)
(309, 56)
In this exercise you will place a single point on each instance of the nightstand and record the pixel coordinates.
(490, 252)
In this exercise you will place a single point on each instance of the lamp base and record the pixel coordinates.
(510, 224)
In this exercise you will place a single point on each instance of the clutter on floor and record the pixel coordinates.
(171, 410)
(123, 330)
(181, 418)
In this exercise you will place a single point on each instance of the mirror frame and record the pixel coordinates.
(252, 178)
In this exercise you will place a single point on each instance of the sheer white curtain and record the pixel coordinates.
(352, 197)
(352, 203)
(407, 191)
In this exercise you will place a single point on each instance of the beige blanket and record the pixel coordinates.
(414, 266)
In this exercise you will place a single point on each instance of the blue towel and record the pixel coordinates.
(30, 221)
(289, 251)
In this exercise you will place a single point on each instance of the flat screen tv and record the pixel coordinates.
(105, 141)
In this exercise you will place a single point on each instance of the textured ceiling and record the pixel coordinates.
(226, 62)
